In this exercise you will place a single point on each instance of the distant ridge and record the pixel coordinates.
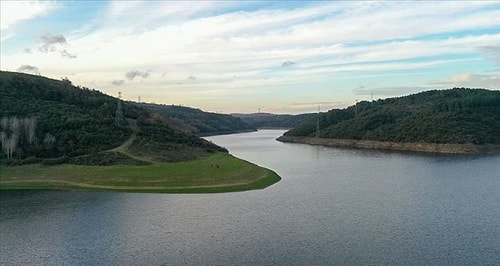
(268, 120)
(198, 122)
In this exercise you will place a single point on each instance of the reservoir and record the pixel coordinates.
(332, 207)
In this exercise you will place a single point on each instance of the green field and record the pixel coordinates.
(220, 172)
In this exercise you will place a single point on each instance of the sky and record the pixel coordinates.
(244, 56)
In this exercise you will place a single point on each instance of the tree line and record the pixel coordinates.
(458, 115)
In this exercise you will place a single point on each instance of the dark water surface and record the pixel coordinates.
(332, 207)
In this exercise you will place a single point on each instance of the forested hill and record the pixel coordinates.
(49, 120)
(267, 120)
(459, 115)
(196, 121)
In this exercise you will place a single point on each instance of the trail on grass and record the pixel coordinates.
(123, 148)
(55, 182)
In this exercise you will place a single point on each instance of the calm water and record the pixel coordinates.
(333, 206)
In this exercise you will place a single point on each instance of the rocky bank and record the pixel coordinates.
(396, 146)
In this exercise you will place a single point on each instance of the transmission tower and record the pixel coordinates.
(119, 110)
(317, 123)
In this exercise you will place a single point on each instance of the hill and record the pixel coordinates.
(198, 122)
(455, 116)
(267, 120)
(42, 118)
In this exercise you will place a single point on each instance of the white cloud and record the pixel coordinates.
(492, 52)
(323, 106)
(13, 12)
(378, 92)
(259, 39)
(469, 80)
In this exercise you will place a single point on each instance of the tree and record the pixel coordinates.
(15, 125)
(49, 140)
(9, 144)
(29, 129)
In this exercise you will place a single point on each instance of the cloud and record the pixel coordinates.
(469, 80)
(50, 42)
(492, 52)
(257, 38)
(147, 15)
(376, 92)
(14, 12)
(136, 73)
(28, 69)
(27, 50)
(288, 63)
(55, 43)
(118, 82)
(65, 53)
(466, 80)
(317, 104)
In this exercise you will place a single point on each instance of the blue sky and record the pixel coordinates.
(281, 57)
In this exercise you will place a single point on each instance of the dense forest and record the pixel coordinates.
(459, 115)
(53, 121)
(195, 121)
(267, 120)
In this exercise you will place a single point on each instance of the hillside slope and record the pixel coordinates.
(455, 116)
(196, 121)
(267, 120)
(49, 120)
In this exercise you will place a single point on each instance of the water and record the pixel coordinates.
(332, 207)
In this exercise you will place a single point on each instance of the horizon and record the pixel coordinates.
(241, 57)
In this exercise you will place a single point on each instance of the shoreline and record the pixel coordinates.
(436, 148)
(210, 134)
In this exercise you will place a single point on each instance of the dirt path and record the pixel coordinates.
(85, 185)
(123, 148)
(56, 182)
(133, 126)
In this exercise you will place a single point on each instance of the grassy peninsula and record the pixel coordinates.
(458, 120)
(220, 172)
(55, 135)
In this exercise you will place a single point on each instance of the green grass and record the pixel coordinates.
(220, 172)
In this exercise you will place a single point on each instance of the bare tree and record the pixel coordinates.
(29, 125)
(49, 140)
(10, 144)
(15, 125)
(14, 130)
